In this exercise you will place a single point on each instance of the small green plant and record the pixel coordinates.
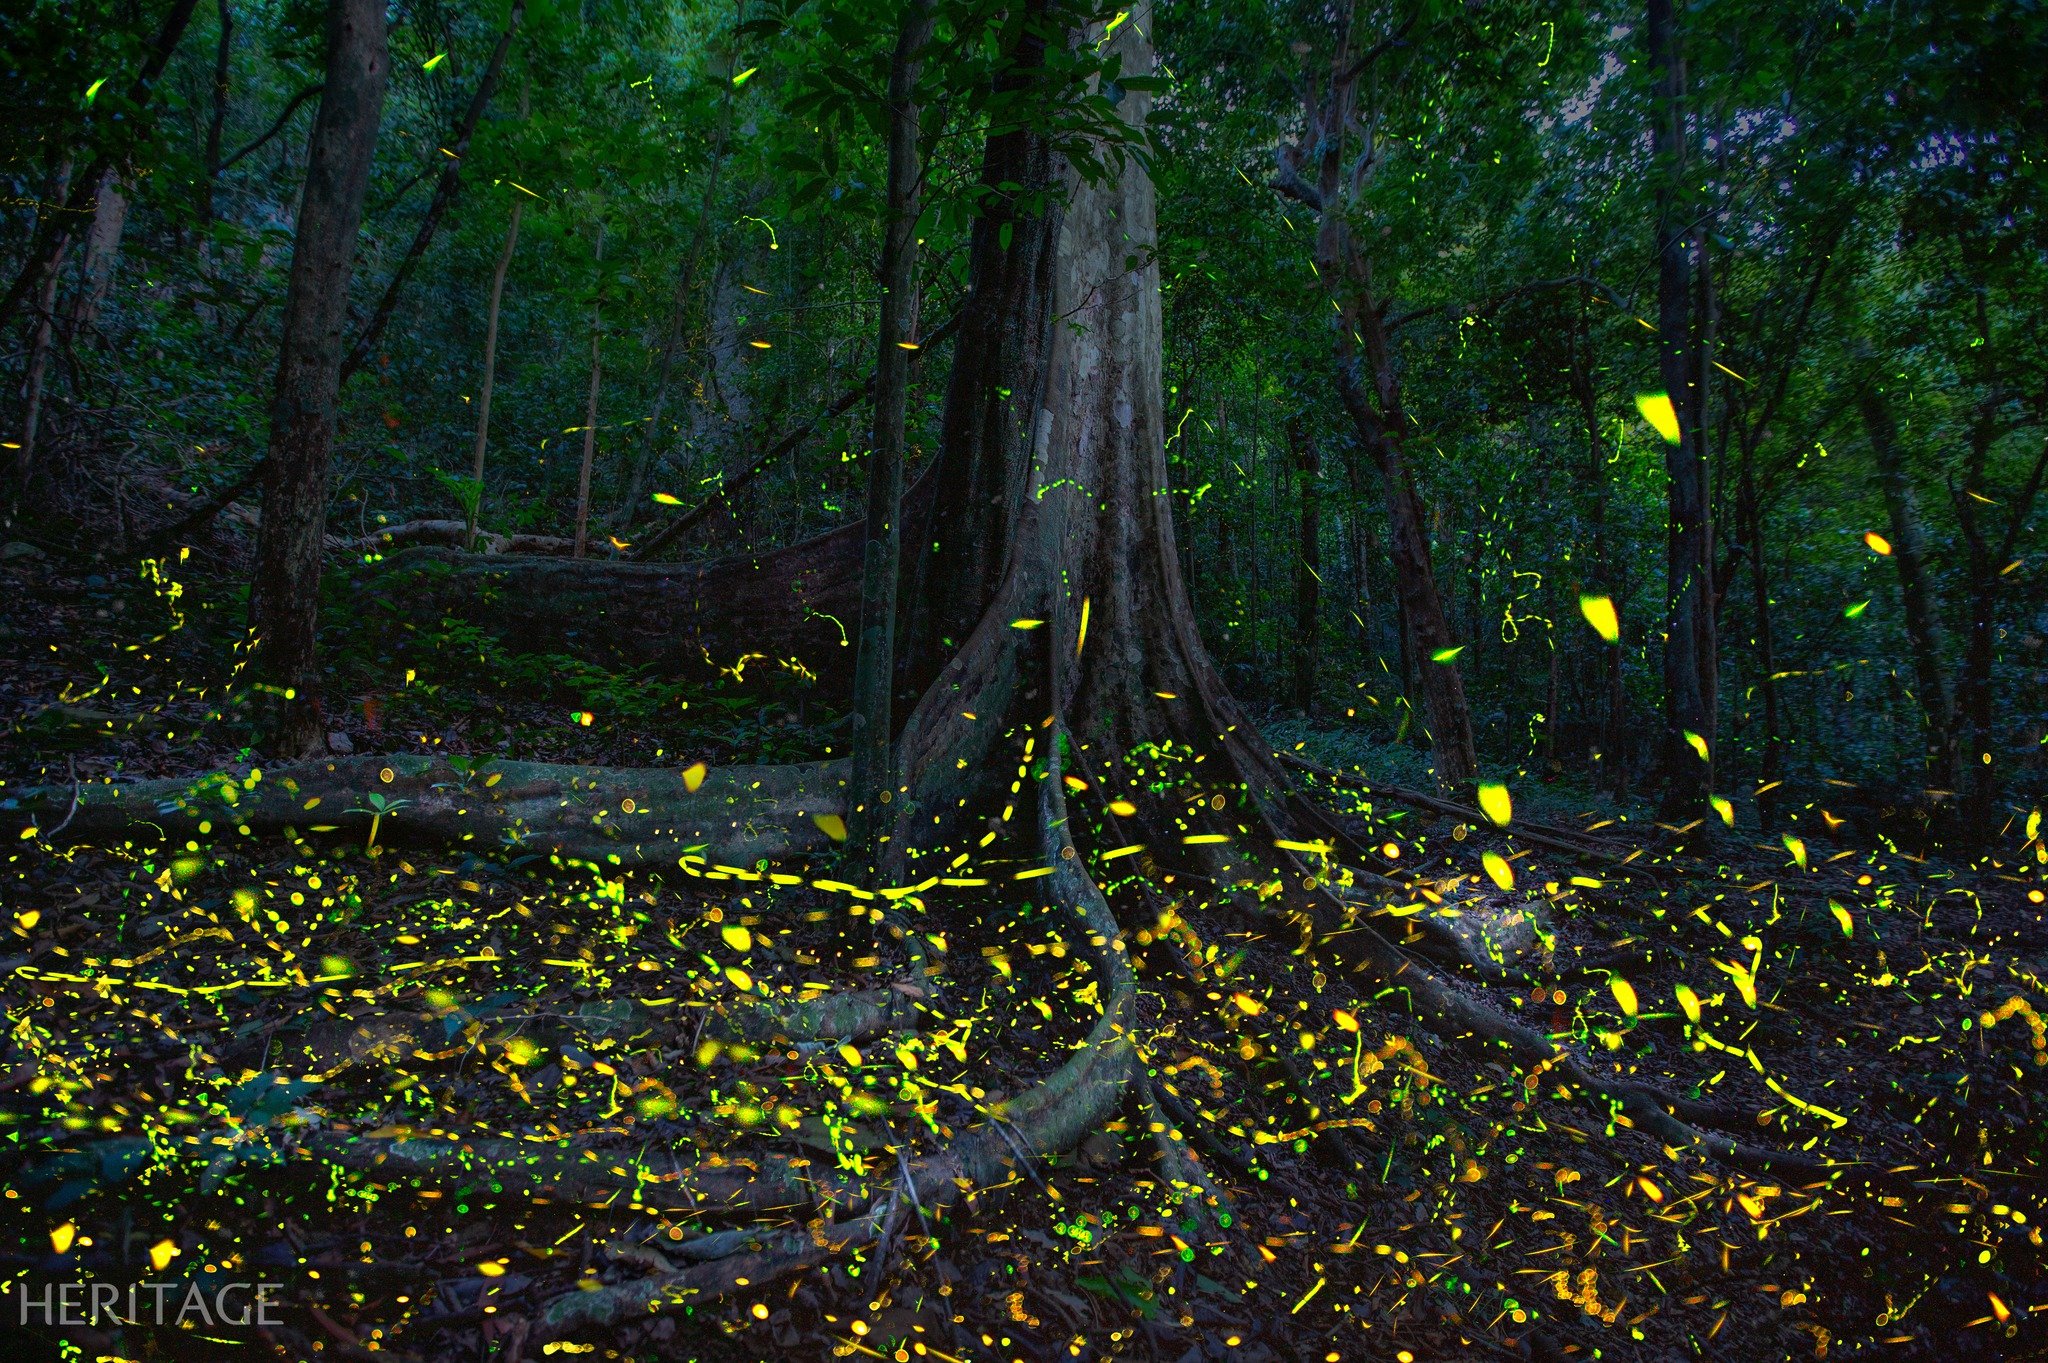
(378, 807)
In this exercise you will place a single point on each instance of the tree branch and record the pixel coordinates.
(290, 108)
(839, 406)
(1488, 306)
(444, 195)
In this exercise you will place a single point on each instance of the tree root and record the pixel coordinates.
(1049, 1118)
(1539, 835)
(1448, 1011)
(608, 815)
(848, 1016)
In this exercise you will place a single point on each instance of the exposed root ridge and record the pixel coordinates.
(1050, 1118)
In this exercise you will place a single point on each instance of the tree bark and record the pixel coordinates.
(216, 123)
(1749, 511)
(285, 600)
(102, 254)
(483, 401)
(53, 233)
(42, 331)
(1308, 582)
(1909, 558)
(874, 782)
(997, 386)
(1689, 624)
(445, 190)
(590, 406)
(1378, 414)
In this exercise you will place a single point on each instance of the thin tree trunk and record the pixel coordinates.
(1688, 698)
(1550, 700)
(1909, 558)
(483, 401)
(209, 171)
(1308, 581)
(1976, 699)
(53, 232)
(445, 190)
(42, 332)
(1377, 413)
(874, 679)
(1613, 743)
(678, 326)
(284, 601)
(590, 407)
(102, 253)
(1749, 511)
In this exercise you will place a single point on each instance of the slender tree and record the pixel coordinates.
(285, 599)
(1909, 559)
(1689, 645)
(873, 772)
(1368, 382)
(1308, 580)
(446, 187)
(590, 405)
(483, 400)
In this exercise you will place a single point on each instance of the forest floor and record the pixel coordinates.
(190, 1030)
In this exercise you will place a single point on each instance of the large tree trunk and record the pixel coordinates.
(284, 604)
(1909, 557)
(996, 390)
(874, 676)
(1687, 750)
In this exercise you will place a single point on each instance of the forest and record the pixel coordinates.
(1023, 680)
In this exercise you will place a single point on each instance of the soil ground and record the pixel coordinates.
(182, 1023)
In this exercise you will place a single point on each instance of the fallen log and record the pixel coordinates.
(448, 534)
(421, 533)
(614, 816)
(765, 611)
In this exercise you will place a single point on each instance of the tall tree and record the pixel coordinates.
(590, 404)
(53, 231)
(1690, 670)
(1308, 580)
(1368, 381)
(1909, 557)
(284, 602)
(490, 383)
(446, 187)
(874, 682)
